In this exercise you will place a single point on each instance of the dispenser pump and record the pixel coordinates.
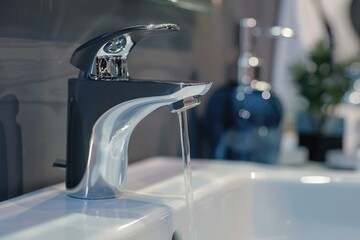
(247, 36)
(105, 57)
(248, 64)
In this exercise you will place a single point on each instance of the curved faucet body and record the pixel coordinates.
(105, 106)
(101, 118)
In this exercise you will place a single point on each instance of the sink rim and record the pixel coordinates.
(141, 187)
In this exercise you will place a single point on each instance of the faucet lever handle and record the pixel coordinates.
(105, 57)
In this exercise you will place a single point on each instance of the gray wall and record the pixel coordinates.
(37, 39)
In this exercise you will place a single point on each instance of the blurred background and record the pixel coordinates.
(37, 39)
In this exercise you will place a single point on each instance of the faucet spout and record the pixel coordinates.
(99, 131)
(105, 106)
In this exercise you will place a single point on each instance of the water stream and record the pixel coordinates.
(185, 148)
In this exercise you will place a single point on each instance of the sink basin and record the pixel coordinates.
(233, 200)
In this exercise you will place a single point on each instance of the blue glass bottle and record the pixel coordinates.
(244, 117)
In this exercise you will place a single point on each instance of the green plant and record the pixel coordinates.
(321, 82)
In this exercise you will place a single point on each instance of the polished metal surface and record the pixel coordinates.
(99, 129)
(185, 104)
(106, 170)
(105, 57)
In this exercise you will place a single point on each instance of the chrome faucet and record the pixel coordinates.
(104, 107)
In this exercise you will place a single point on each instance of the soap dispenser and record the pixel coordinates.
(243, 119)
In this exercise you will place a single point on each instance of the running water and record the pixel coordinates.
(185, 148)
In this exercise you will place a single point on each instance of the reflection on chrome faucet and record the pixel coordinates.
(105, 106)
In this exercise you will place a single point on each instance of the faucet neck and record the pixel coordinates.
(102, 116)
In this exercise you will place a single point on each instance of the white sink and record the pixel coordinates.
(233, 201)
